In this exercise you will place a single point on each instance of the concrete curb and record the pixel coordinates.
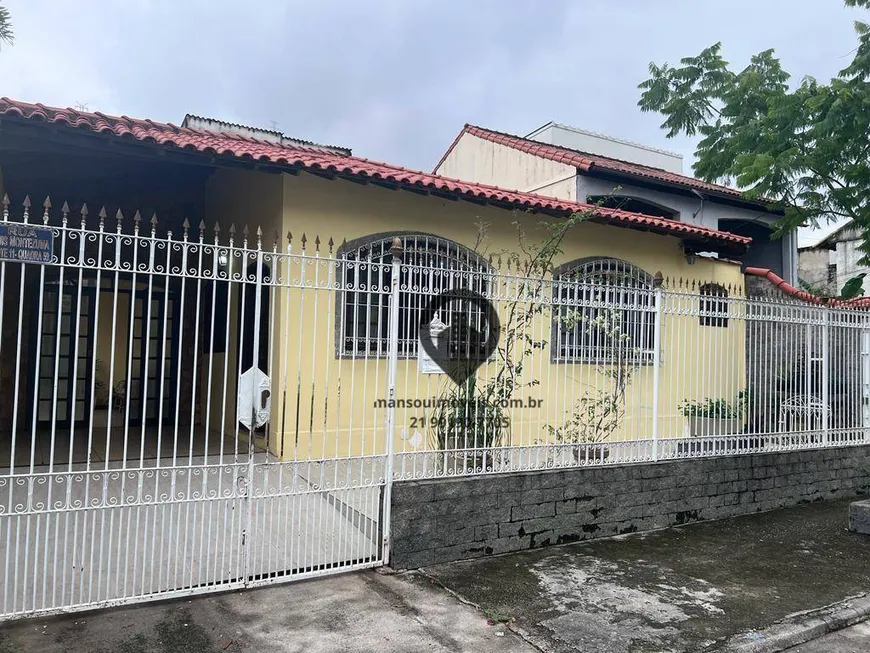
(800, 627)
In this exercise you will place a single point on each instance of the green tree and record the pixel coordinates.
(804, 146)
(6, 35)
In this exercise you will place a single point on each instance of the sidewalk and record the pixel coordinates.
(359, 612)
(682, 589)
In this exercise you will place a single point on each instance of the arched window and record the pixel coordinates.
(713, 305)
(603, 312)
(430, 265)
(634, 204)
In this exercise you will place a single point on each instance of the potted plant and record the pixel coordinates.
(467, 423)
(714, 415)
(599, 411)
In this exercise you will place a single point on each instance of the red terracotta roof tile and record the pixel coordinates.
(314, 159)
(587, 162)
(785, 287)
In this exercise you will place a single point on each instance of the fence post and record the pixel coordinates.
(826, 361)
(657, 361)
(390, 421)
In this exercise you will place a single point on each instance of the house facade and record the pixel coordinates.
(303, 205)
(210, 348)
(570, 163)
(209, 339)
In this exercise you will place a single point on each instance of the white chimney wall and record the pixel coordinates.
(592, 143)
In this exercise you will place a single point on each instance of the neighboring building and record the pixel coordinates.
(832, 260)
(577, 165)
(200, 123)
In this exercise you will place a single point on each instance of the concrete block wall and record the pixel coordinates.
(442, 520)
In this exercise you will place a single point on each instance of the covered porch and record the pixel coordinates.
(128, 351)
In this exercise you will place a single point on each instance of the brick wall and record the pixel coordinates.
(442, 520)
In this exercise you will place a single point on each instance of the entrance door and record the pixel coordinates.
(152, 375)
(65, 350)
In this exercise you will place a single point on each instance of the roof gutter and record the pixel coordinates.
(785, 287)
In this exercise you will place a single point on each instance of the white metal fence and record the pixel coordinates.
(189, 410)
(656, 369)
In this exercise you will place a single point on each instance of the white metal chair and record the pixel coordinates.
(806, 411)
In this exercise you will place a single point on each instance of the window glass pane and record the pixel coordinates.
(430, 265)
(605, 311)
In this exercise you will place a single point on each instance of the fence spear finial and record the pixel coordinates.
(316, 242)
(64, 212)
(396, 248)
(303, 240)
(331, 244)
(186, 226)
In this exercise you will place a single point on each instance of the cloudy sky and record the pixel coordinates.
(395, 80)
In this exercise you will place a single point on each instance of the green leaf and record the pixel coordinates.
(803, 148)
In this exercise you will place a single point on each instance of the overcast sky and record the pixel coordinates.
(395, 80)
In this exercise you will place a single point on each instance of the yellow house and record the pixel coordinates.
(240, 251)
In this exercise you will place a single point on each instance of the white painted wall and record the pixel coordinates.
(686, 207)
(485, 162)
(480, 160)
(813, 268)
(779, 255)
(848, 258)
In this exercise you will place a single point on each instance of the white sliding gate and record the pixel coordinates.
(125, 474)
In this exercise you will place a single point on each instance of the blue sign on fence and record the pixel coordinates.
(25, 243)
